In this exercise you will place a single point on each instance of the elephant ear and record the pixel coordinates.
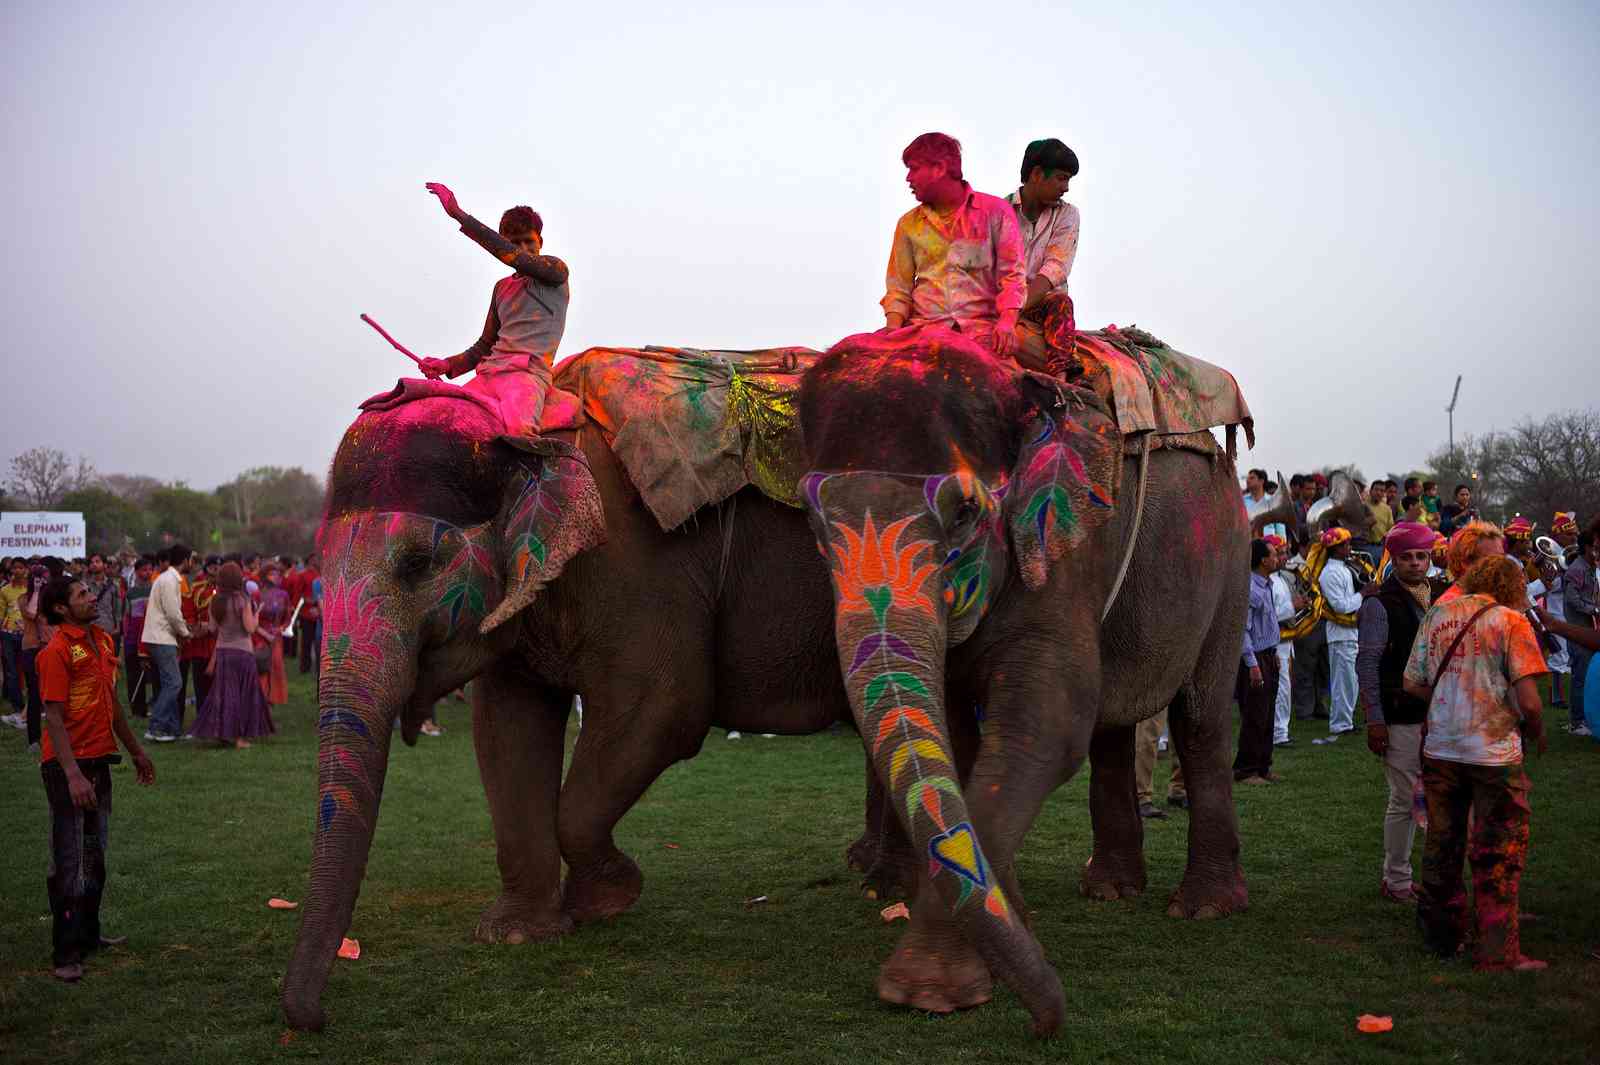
(552, 511)
(1067, 476)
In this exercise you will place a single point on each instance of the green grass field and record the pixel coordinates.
(694, 975)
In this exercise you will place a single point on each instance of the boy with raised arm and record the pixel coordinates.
(527, 315)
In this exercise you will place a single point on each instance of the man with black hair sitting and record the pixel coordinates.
(1049, 228)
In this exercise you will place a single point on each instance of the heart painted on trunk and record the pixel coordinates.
(957, 850)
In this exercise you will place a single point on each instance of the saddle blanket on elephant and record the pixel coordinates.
(1154, 388)
(691, 427)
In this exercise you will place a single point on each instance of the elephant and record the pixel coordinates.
(452, 553)
(975, 519)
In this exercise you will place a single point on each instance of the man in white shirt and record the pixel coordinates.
(1339, 591)
(164, 629)
(1049, 227)
(1284, 605)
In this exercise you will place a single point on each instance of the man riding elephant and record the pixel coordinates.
(956, 261)
(527, 315)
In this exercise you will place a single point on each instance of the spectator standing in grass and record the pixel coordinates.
(1389, 622)
(78, 672)
(1338, 585)
(164, 629)
(141, 678)
(1285, 604)
(195, 653)
(1256, 685)
(108, 599)
(11, 598)
(36, 632)
(310, 623)
(1476, 663)
(1581, 602)
(274, 614)
(235, 709)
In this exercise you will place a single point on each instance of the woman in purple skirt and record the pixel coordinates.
(235, 709)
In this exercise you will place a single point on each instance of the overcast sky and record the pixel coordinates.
(1344, 204)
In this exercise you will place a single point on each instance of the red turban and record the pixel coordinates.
(1408, 536)
(1335, 536)
(1274, 540)
(1564, 523)
(1519, 527)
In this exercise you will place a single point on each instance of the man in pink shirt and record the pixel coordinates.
(957, 258)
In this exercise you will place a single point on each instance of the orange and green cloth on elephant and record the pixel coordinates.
(527, 315)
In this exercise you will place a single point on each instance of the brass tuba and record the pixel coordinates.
(1280, 511)
(1342, 504)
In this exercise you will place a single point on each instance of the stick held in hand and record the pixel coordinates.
(397, 345)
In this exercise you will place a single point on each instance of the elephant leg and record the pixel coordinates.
(1028, 746)
(1115, 869)
(883, 853)
(1213, 882)
(518, 730)
(631, 734)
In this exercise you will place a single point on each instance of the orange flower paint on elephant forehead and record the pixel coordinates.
(875, 572)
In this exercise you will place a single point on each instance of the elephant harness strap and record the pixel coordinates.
(1138, 519)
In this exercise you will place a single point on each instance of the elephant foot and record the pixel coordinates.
(1203, 898)
(602, 891)
(508, 920)
(939, 974)
(884, 875)
(1107, 878)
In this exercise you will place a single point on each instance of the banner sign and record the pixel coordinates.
(43, 533)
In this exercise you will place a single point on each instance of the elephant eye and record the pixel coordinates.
(966, 515)
(412, 566)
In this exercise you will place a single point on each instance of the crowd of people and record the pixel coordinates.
(187, 631)
(1436, 626)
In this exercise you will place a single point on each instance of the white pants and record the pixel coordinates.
(1402, 764)
(1280, 706)
(1342, 664)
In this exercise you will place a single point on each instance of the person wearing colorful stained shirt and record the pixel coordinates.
(1049, 227)
(956, 260)
(527, 316)
(1338, 584)
(1476, 662)
(83, 724)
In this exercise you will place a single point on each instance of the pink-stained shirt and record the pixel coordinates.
(1051, 241)
(964, 268)
(1473, 716)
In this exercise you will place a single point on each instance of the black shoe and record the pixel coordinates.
(1180, 801)
(1150, 811)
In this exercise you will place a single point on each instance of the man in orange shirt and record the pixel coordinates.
(83, 722)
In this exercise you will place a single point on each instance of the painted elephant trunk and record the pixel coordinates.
(891, 628)
(353, 755)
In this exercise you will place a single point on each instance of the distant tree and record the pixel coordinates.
(136, 488)
(272, 491)
(1477, 462)
(1552, 465)
(181, 513)
(40, 476)
(280, 535)
(110, 520)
